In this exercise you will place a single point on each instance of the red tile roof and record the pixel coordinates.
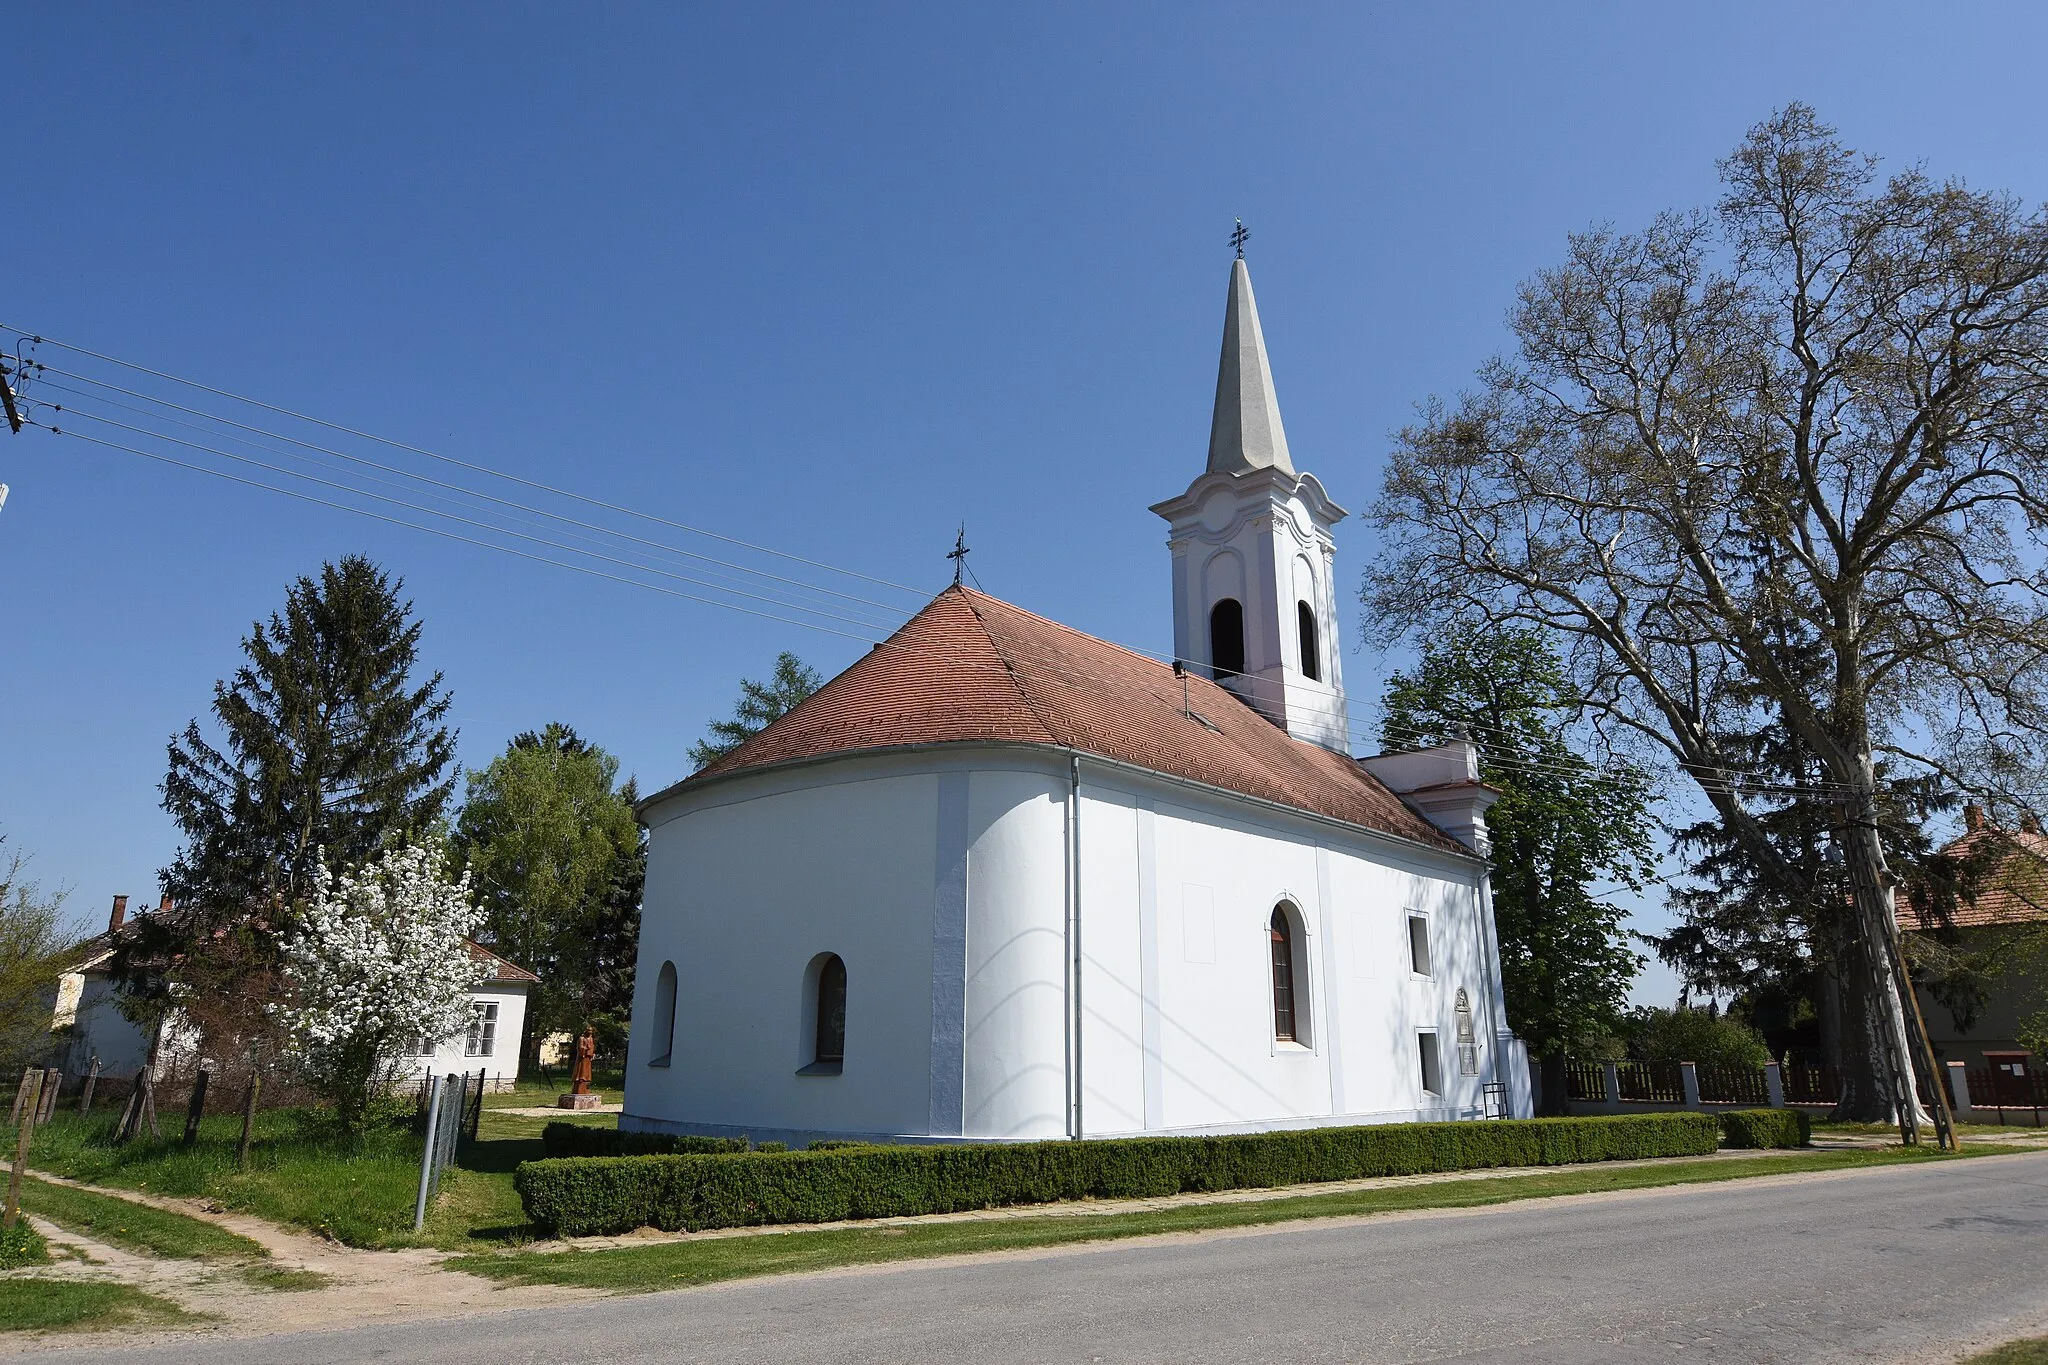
(2013, 889)
(503, 970)
(970, 668)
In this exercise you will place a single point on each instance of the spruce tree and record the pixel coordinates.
(760, 703)
(329, 748)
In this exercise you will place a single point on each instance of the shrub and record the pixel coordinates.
(576, 1140)
(676, 1193)
(1687, 1034)
(1766, 1128)
(22, 1245)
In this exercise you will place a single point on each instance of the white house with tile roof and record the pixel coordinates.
(87, 1023)
(1002, 880)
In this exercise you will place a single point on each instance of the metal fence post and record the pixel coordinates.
(1959, 1086)
(419, 1210)
(1689, 1082)
(1611, 1074)
(1774, 1085)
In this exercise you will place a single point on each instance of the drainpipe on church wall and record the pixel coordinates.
(1073, 937)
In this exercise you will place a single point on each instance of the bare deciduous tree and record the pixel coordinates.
(1814, 420)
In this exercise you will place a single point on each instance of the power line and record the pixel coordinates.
(417, 478)
(42, 340)
(450, 535)
(466, 521)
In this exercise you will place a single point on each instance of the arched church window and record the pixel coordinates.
(1290, 1013)
(829, 1049)
(1226, 638)
(1468, 1037)
(664, 1039)
(1311, 651)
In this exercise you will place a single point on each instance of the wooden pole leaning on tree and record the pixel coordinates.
(249, 1118)
(31, 1096)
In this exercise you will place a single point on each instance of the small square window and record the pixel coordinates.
(1418, 944)
(1432, 1071)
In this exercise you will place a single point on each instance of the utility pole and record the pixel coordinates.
(7, 396)
(7, 400)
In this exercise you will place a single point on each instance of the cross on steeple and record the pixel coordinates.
(1238, 237)
(959, 554)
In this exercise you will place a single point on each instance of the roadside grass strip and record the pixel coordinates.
(2030, 1352)
(776, 1251)
(50, 1305)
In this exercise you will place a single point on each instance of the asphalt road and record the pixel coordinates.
(1868, 1266)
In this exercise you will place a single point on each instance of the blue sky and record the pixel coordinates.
(831, 279)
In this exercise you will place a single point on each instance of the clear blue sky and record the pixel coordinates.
(831, 277)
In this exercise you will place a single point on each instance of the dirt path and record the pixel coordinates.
(360, 1286)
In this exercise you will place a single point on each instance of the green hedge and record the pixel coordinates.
(580, 1140)
(1766, 1128)
(617, 1194)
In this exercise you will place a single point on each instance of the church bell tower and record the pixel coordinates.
(1254, 584)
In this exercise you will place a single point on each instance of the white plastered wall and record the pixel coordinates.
(746, 884)
(1178, 891)
(501, 1067)
(963, 1032)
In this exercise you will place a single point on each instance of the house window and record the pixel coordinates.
(1418, 944)
(1468, 1037)
(1226, 638)
(664, 1040)
(483, 1031)
(829, 1048)
(1290, 1006)
(1311, 652)
(1432, 1069)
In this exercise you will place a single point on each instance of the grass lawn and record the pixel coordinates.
(674, 1265)
(2034, 1352)
(303, 1173)
(533, 1092)
(31, 1305)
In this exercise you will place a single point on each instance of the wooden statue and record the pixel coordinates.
(580, 1096)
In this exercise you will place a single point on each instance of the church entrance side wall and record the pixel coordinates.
(1178, 895)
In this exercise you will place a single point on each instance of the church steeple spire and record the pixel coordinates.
(1245, 431)
(1255, 591)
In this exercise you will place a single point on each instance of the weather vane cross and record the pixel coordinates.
(959, 554)
(1238, 237)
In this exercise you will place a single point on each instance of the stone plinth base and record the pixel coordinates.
(590, 1101)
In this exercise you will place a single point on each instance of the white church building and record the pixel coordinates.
(1003, 880)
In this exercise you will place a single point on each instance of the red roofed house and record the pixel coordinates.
(2011, 894)
(1000, 879)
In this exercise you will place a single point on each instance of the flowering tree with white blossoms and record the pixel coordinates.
(379, 962)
